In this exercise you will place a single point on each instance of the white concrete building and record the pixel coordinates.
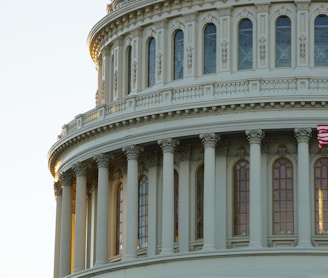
(200, 158)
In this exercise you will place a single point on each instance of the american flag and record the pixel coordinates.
(322, 134)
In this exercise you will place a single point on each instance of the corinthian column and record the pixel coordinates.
(66, 225)
(303, 136)
(132, 153)
(80, 216)
(255, 189)
(209, 141)
(58, 194)
(168, 147)
(102, 209)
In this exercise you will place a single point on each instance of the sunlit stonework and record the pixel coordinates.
(200, 157)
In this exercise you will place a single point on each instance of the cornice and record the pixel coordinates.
(104, 126)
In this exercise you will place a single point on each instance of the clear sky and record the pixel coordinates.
(46, 78)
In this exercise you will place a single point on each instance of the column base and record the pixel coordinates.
(129, 258)
(99, 264)
(304, 244)
(208, 247)
(166, 252)
(255, 245)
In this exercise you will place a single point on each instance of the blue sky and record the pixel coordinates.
(46, 78)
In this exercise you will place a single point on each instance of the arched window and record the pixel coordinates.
(321, 41)
(151, 62)
(283, 42)
(200, 202)
(178, 54)
(210, 49)
(143, 213)
(176, 206)
(129, 69)
(241, 198)
(283, 200)
(321, 195)
(245, 45)
(119, 220)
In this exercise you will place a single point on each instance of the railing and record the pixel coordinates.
(166, 100)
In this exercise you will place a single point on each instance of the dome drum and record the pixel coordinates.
(200, 157)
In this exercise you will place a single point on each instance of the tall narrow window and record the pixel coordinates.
(245, 45)
(283, 42)
(210, 49)
(200, 202)
(321, 41)
(176, 206)
(129, 69)
(151, 62)
(178, 54)
(119, 220)
(283, 204)
(321, 196)
(241, 198)
(143, 213)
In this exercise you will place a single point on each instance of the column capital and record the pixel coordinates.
(102, 160)
(132, 152)
(66, 178)
(168, 145)
(80, 169)
(254, 136)
(303, 135)
(209, 139)
(57, 188)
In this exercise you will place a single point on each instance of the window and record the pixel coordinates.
(245, 45)
(129, 68)
(143, 213)
(283, 205)
(210, 49)
(241, 198)
(321, 41)
(178, 55)
(151, 62)
(283, 42)
(176, 206)
(200, 202)
(321, 195)
(119, 220)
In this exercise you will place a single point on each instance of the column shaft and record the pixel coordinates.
(80, 217)
(132, 153)
(303, 189)
(66, 226)
(209, 140)
(168, 147)
(255, 189)
(102, 210)
(58, 194)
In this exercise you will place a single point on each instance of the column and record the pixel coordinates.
(102, 209)
(132, 152)
(66, 225)
(209, 141)
(168, 147)
(255, 137)
(58, 194)
(80, 216)
(221, 195)
(303, 136)
(152, 163)
(184, 193)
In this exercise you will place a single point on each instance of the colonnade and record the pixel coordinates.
(64, 237)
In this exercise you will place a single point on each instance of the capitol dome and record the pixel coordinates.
(200, 157)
